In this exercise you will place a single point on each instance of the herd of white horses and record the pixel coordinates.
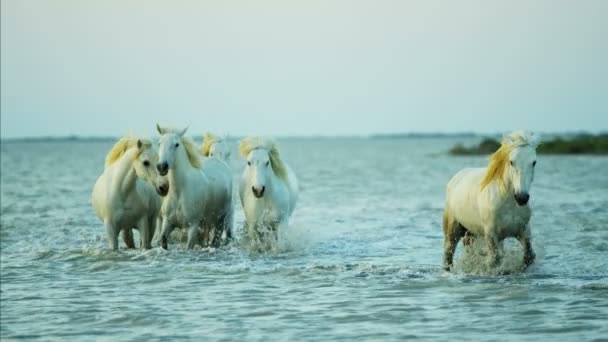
(172, 183)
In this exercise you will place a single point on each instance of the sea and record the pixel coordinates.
(360, 260)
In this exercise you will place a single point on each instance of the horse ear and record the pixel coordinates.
(160, 130)
(534, 139)
(139, 144)
(181, 134)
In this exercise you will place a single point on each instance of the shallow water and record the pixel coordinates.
(361, 258)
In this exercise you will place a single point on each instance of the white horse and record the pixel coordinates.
(492, 202)
(200, 191)
(268, 190)
(214, 146)
(123, 197)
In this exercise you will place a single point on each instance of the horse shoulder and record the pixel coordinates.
(462, 198)
(148, 195)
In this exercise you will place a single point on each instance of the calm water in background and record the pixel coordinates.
(361, 258)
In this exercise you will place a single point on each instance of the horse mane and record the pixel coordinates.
(253, 143)
(189, 146)
(123, 145)
(499, 161)
(191, 151)
(209, 140)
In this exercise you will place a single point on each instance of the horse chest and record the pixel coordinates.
(511, 220)
(126, 212)
(271, 215)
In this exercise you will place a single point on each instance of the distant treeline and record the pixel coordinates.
(579, 144)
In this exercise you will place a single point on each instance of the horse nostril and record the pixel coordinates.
(162, 167)
(258, 192)
(522, 199)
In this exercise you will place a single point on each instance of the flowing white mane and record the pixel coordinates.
(124, 144)
(517, 139)
(500, 159)
(209, 140)
(253, 143)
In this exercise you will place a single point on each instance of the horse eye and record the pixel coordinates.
(176, 145)
(534, 163)
(146, 163)
(511, 162)
(249, 163)
(267, 163)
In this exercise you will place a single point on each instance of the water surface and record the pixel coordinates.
(361, 258)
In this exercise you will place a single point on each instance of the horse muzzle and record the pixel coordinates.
(163, 190)
(163, 168)
(522, 199)
(258, 192)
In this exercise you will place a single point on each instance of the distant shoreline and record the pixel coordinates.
(589, 144)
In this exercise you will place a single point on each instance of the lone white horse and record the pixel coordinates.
(492, 202)
(268, 190)
(123, 197)
(214, 146)
(200, 191)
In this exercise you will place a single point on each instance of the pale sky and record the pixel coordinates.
(102, 68)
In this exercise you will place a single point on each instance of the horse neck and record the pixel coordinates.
(125, 176)
(178, 174)
(496, 190)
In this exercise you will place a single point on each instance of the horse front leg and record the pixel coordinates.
(145, 232)
(452, 232)
(493, 254)
(526, 244)
(193, 235)
(167, 228)
(218, 232)
(127, 237)
(112, 233)
(274, 235)
(228, 226)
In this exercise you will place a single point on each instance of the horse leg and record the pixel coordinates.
(529, 254)
(193, 235)
(127, 237)
(145, 233)
(112, 235)
(468, 238)
(219, 231)
(205, 233)
(274, 235)
(228, 225)
(452, 232)
(493, 244)
(167, 228)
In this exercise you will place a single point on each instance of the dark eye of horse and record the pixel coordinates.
(534, 163)
(249, 163)
(267, 163)
(146, 163)
(176, 145)
(511, 162)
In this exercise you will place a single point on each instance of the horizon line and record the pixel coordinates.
(390, 135)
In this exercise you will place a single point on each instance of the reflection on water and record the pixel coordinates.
(361, 258)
